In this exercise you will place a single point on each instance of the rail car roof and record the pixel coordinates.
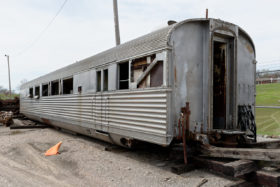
(153, 41)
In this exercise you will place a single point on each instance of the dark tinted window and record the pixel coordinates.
(123, 75)
(45, 89)
(68, 86)
(55, 88)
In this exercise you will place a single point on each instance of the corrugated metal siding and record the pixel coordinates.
(140, 114)
(153, 41)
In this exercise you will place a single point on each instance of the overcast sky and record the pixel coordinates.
(86, 27)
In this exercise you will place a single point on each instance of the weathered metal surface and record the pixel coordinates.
(140, 114)
(147, 44)
(185, 128)
(192, 69)
(186, 49)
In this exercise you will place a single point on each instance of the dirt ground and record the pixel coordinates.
(86, 162)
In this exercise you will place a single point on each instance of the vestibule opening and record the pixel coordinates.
(219, 85)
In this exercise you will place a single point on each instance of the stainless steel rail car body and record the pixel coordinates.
(135, 91)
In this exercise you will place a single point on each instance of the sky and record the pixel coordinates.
(86, 27)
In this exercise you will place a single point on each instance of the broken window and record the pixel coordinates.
(98, 81)
(55, 87)
(138, 66)
(124, 76)
(157, 75)
(147, 72)
(37, 91)
(105, 80)
(45, 89)
(31, 92)
(68, 86)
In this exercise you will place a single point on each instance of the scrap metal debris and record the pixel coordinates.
(10, 105)
(27, 124)
(202, 182)
(6, 118)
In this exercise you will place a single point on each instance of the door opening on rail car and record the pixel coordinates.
(222, 85)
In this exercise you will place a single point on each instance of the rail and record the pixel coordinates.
(276, 107)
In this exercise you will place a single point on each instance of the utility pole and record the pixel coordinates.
(8, 60)
(116, 18)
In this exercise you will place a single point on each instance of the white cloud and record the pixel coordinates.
(86, 27)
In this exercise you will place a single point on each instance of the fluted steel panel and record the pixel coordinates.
(143, 111)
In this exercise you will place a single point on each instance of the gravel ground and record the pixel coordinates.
(85, 162)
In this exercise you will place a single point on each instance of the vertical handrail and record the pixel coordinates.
(185, 128)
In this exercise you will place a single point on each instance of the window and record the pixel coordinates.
(55, 87)
(138, 66)
(31, 92)
(45, 89)
(123, 76)
(157, 75)
(105, 80)
(37, 91)
(68, 86)
(98, 81)
(146, 72)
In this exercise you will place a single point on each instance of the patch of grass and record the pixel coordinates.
(268, 94)
(5, 97)
(268, 120)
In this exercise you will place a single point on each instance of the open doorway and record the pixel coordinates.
(219, 85)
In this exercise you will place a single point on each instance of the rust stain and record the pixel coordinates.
(46, 121)
(175, 74)
(249, 47)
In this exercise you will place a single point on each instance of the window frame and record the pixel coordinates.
(31, 95)
(99, 88)
(62, 87)
(103, 79)
(48, 85)
(55, 81)
(119, 76)
(35, 87)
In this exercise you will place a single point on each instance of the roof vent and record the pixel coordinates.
(171, 22)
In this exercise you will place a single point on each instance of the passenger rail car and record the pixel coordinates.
(136, 91)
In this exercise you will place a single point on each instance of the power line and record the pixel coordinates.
(272, 71)
(271, 63)
(36, 39)
(275, 60)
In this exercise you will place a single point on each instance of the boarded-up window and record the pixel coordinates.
(68, 86)
(31, 92)
(37, 91)
(45, 89)
(124, 75)
(105, 80)
(138, 66)
(157, 75)
(55, 87)
(98, 81)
